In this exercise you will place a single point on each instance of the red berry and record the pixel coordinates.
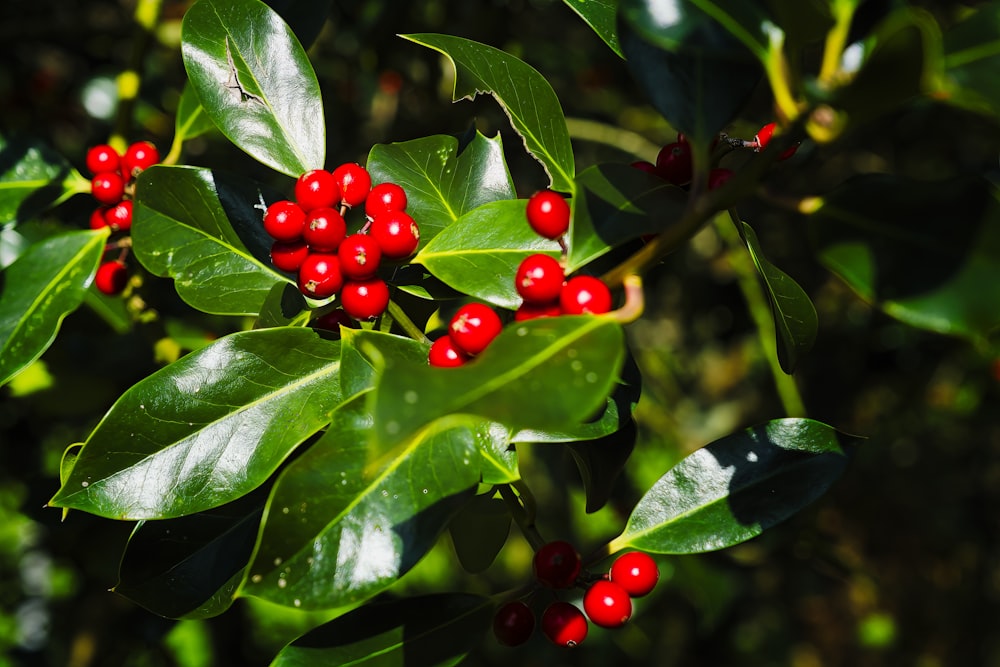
(474, 327)
(111, 277)
(102, 158)
(444, 353)
(396, 233)
(636, 572)
(539, 279)
(354, 183)
(530, 311)
(674, 163)
(289, 256)
(139, 156)
(97, 220)
(317, 189)
(324, 229)
(333, 320)
(718, 177)
(285, 221)
(564, 624)
(366, 299)
(385, 197)
(548, 214)
(119, 216)
(647, 167)
(763, 138)
(107, 187)
(585, 294)
(359, 256)
(607, 604)
(319, 275)
(513, 623)
(557, 564)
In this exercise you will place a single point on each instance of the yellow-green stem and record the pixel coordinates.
(836, 41)
(401, 318)
(602, 133)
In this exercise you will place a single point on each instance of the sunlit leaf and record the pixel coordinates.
(33, 177)
(600, 15)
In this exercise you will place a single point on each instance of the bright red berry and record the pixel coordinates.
(107, 187)
(366, 299)
(530, 311)
(636, 572)
(445, 354)
(513, 623)
(607, 604)
(385, 197)
(557, 564)
(396, 233)
(288, 256)
(119, 216)
(139, 156)
(764, 136)
(111, 277)
(564, 624)
(539, 279)
(320, 276)
(359, 256)
(354, 182)
(103, 158)
(285, 221)
(548, 214)
(324, 229)
(673, 163)
(585, 294)
(97, 220)
(317, 189)
(718, 177)
(474, 327)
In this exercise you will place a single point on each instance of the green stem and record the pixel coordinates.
(836, 40)
(522, 508)
(609, 135)
(147, 14)
(411, 329)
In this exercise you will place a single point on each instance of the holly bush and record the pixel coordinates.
(313, 467)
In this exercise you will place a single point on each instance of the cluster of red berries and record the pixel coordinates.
(541, 283)
(112, 182)
(311, 239)
(607, 601)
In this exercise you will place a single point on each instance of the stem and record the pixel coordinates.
(411, 329)
(836, 40)
(635, 301)
(147, 14)
(624, 140)
(776, 68)
(522, 508)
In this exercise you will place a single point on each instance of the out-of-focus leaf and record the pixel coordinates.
(972, 61)
(33, 177)
(306, 18)
(479, 532)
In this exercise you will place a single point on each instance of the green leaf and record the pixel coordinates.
(342, 524)
(480, 253)
(927, 253)
(601, 461)
(735, 488)
(33, 177)
(255, 82)
(528, 99)
(436, 630)
(600, 15)
(441, 183)
(306, 18)
(972, 61)
(208, 428)
(43, 285)
(203, 228)
(479, 531)
(366, 349)
(284, 306)
(795, 319)
(191, 121)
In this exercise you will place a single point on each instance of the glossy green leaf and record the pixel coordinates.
(208, 428)
(927, 253)
(12, 244)
(479, 254)
(191, 121)
(735, 488)
(306, 18)
(284, 306)
(46, 282)
(497, 455)
(66, 464)
(342, 525)
(479, 531)
(972, 61)
(601, 16)
(436, 630)
(441, 183)
(204, 229)
(364, 349)
(255, 82)
(795, 319)
(34, 177)
(526, 96)
(601, 462)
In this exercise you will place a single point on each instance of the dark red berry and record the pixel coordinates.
(385, 197)
(585, 294)
(474, 327)
(103, 158)
(548, 214)
(333, 320)
(119, 216)
(636, 572)
(718, 177)
(289, 256)
(97, 220)
(107, 187)
(285, 221)
(607, 604)
(513, 623)
(564, 624)
(111, 277)
(324, 229)
(396, 233)
(674, 163)
(445, 354)
(539, 279)
(557, 564)
(530, 311)
(359, 256)
(354, 182)
(320, 276)
(365, 299)
(647, 167)
(317, 189)
(139, 156)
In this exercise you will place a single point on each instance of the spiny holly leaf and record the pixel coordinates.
(600, 16)
(479, 531)
(528, 99)
(255, 82)
(441, 183)
(204, 229)
(208, 428)
(33, 177)
(436, 630)
(972, 61)
(43, 285)
(735, 488)
(494, 239)
(342, 525)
